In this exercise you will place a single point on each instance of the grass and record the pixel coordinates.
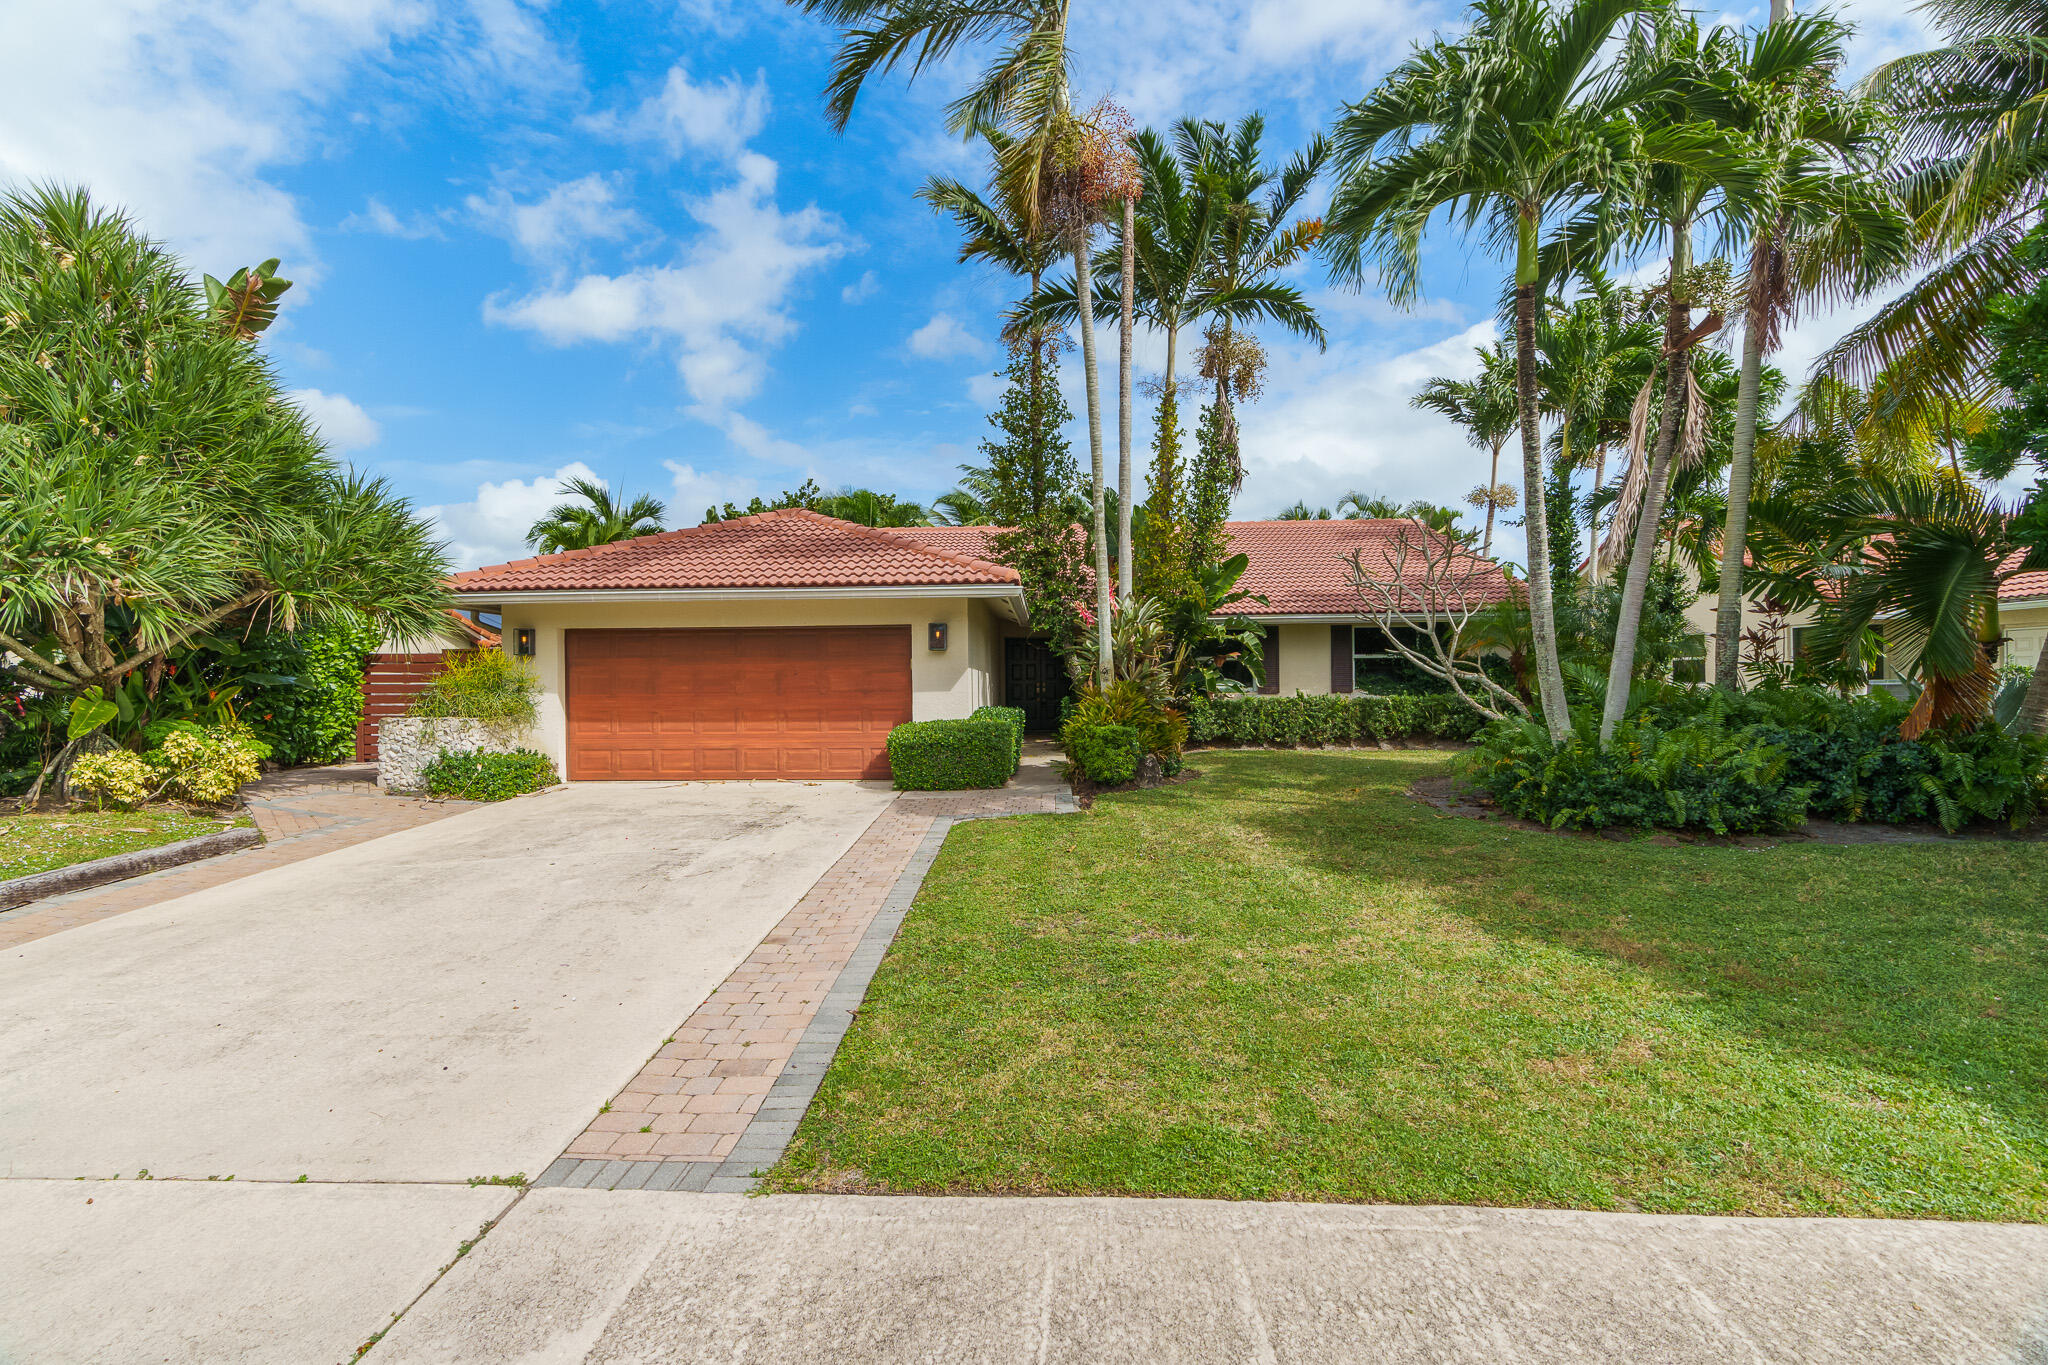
(1290, 980)
(41, 843)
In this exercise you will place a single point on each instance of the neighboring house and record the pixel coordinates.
(394, 675)
(782, 645)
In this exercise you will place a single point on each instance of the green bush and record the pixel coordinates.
(475, 775)
(487, 685)
(950, 755)
(304, 694)
(1329, 719)
(1107, 754)
(1162, 731)
(1014, 717)
(207, 764)
(1764, 760)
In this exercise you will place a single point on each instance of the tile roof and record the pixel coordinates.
(1302, 568)
(2033, 583)
(971, 541)
(788, 549)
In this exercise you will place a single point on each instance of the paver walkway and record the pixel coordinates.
(302, 812)
(677, 1124)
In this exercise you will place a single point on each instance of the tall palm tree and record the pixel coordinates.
(1825, 228)
(599, 519)
(1971, 165)
(1259, 236)
(959, 508)
(1301, 511)
(1026, 93)
(865, 507)
(1506, 127)
(1486, 408)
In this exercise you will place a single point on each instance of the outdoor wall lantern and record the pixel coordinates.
(522, 642)
(937, 632)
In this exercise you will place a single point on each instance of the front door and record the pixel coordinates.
(1033, 682)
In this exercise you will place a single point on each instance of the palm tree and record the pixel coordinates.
(1971, 166)
(1505, 127)
(959, 508)
(865, 507)
(599, 519)
(1824, 228)
(1053, 163)
(1485, 407)
(1924, 553)
(1259, 236)
(1301, 511)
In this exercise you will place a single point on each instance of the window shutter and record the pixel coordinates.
(1271, 686)
(1340, 659)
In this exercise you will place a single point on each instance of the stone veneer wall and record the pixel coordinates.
(407, 744)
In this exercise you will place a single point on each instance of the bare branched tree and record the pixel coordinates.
(1431, 607)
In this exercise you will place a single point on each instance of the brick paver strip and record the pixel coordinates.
(724, 1095)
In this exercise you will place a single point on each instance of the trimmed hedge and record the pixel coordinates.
(475, 775)
(1107, 754)
(1329, 719)
(1010, 715)
(949, 755)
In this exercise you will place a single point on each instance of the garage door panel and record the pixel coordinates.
(772, 703)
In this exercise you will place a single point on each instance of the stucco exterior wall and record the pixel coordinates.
(2025, 628)
(943, 685)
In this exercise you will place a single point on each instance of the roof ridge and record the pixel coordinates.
(888, 537)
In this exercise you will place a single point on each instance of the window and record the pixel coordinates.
(1690, 664)
(1374, 658)
(1803, 647)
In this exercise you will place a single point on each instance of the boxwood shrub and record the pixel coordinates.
(1012, 715)
(949, 755)
(1329, 719)
(474, 775)
(1107, 754)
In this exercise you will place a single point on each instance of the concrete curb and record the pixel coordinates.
(121, 866)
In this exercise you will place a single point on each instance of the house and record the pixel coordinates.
(789, 644)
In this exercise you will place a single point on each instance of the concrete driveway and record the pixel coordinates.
(452, 1001)
(384, 1022)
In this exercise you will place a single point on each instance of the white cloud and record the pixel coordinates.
(724, 302)
(862, 289)
(984, 389)
(339, 419)
(943, 338)
(377, 216)
(183, 112)
(719, 117)
(491, 528)
(695, 490)
(563, 219)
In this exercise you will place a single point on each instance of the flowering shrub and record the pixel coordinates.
(115, 775)
(206, 765)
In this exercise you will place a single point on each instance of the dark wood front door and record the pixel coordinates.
(1033, 682)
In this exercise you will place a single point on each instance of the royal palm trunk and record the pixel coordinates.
(1085, 289)
(1557, 716)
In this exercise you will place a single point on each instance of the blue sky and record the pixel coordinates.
(617, 238)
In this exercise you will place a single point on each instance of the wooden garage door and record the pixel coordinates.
(678, 704)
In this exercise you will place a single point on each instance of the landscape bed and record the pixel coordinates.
(1292, 980)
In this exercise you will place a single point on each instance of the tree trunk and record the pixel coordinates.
(1643, 550)
(1037, 466)
(2034, 706)
(1593, 516)
(1735, 534)
(1557, 716)
(1492, 482)
(1084, 289)
(1126, 577)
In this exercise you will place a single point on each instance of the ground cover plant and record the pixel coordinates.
(42, 843)
(1293, 981)
(479, 775)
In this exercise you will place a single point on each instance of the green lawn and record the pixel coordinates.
(1289, 980)
(41, 843)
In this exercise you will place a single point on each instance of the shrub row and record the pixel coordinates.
(478, 775)
(1333, 719)
(950, 755)
(1014, 717)
(1767, 760)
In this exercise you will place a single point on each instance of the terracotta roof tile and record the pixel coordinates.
(2032, 583)
(788, 549)
(1301, 567)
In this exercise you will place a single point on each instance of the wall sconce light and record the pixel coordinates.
(522, 642)
(936, 633)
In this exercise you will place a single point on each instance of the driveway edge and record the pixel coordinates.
(119, 867)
